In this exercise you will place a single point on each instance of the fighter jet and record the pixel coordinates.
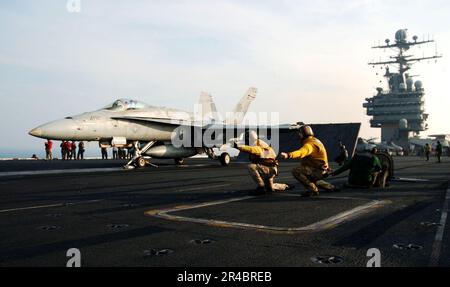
(366, 145)
(150, 130)
(391, 148)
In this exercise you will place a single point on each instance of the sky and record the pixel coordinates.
(308, 59)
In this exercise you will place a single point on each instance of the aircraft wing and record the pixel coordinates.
(185, 123)
(219, 135)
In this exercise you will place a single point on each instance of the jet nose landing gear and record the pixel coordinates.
(140, 162)
(138, 159)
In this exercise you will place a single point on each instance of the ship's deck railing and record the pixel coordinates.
(400, 93)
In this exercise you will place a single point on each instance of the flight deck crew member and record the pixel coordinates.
(80, 150)
(68, 150)
(427, 149)
(263, 165)
(63, 150)
(104, 152)
(121, 153)
(366, 170)
(343, 154)
(115, 153)
(74, 150)
(439, 150)
(131, 152)
(48, 150)
(313, 163)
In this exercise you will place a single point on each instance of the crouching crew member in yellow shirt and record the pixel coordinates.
(263, 165)
(313, 163)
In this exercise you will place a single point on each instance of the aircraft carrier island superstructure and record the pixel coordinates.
(399, 111)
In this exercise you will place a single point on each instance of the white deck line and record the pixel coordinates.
(58, 171)
(49, 205)
(327, 223)
(437, 244)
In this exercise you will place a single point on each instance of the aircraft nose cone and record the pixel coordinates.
(64, 129)
(37, 132)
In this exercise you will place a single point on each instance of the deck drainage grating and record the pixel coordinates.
(49, 227)
(157, 252)
(118, 226)
(430, 224)
(327, 259)
(202, 241)
(407, 246)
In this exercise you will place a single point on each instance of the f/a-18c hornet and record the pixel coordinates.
(153, 132)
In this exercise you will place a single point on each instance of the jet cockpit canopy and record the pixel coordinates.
(126, 104)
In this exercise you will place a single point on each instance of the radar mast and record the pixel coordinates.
(399, 111)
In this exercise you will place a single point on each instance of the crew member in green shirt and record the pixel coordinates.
(365, 170)
(439, 151)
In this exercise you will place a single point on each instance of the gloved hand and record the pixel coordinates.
(284, 155)
(234, 145)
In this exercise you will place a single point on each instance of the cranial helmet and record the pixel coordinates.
(252, 135)
(306, 131)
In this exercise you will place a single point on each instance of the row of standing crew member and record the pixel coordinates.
(68, 150)
(117, 153)
(427, 149)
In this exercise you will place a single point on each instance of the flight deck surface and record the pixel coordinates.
(201, 214)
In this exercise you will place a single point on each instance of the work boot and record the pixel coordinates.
(325, 185)
(290, 186)
(270, 190)
(335, 189)
(258, 191)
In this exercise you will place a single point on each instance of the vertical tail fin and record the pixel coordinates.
(241, 108)
(208, 108)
